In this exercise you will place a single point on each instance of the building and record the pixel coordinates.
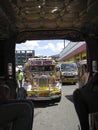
(74, 51)
(23, 55)
(55, 57)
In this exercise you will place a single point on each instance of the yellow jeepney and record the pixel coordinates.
(40, 80)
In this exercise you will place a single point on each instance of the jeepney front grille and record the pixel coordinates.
(43, 82)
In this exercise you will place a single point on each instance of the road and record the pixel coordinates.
(61, 116)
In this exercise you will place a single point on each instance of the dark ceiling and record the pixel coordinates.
(48, 19)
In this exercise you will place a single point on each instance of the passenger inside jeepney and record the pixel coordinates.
(83, 73)
(14, 114)
(86, 101)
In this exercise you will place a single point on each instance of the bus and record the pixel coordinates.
(67, 72)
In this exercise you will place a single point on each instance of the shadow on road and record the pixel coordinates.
(69, 97)
(44, 104)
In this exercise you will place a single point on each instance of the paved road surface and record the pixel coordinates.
(61, 116)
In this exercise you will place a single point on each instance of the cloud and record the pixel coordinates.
(28, 45)
(54, 47)
(42, 47)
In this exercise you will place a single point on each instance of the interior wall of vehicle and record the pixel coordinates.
(2, 50)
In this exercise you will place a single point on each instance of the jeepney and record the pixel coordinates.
(40, 80)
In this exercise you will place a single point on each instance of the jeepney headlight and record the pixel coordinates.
(75, 73)
(51, 89)
(63, 73)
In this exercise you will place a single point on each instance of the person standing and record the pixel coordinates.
(58, 74)
(20, 78)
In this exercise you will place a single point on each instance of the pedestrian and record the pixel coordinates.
(19, 78)
(18, 113)
(58, 74)
(86, 101)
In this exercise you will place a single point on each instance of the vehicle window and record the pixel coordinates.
(68, 66)
(41, 68)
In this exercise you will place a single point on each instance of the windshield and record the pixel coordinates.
(71, 66)
(42, 68)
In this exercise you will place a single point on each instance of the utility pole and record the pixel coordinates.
(64, 43)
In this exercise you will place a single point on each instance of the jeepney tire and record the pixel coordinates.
(62, 83)
(56, 100)
(74, 83)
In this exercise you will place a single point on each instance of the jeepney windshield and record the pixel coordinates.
(41, 68)
(71, 66)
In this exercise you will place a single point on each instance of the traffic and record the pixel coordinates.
(43, 78)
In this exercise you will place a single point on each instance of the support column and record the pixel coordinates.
(7, 56)
(2, 51)
(92, 53)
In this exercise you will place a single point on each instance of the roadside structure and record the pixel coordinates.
(74, 51)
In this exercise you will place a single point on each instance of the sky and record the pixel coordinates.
(43, 47)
